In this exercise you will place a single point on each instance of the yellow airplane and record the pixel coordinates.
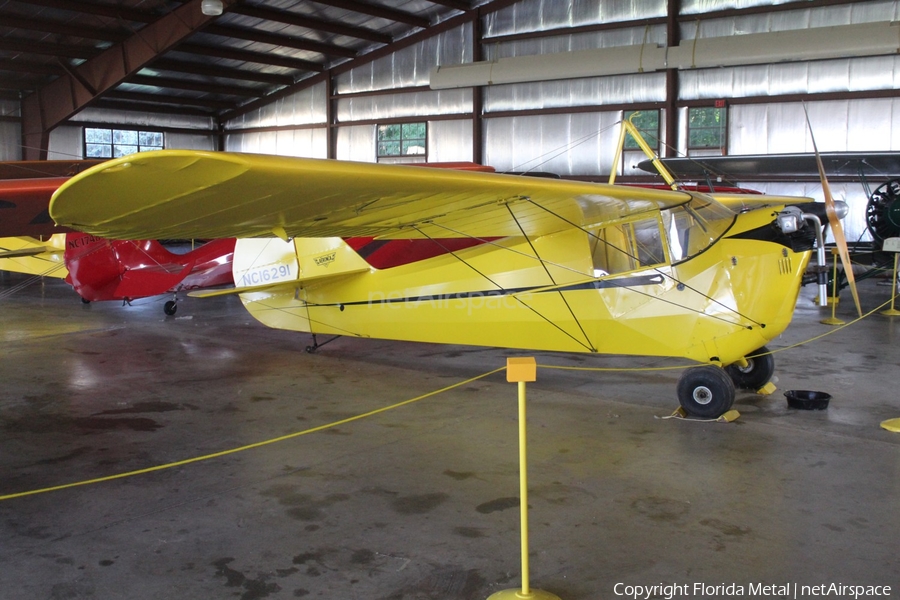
(481, 258)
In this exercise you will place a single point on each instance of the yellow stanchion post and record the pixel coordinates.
(833, 301)
(522, 370)
(892, 245)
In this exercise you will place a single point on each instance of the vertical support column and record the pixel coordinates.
(220, 135)
(330, 125)
(477, 94)
(891, 245)
(35, 140)
(669, 147)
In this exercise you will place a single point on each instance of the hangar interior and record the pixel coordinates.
(421, 502)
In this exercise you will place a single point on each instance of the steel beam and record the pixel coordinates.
(55, 102)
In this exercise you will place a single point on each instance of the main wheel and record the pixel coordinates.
(705, 392)
(759, 370)
(170, 307)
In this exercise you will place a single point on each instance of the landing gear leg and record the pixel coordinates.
(706, 392)
(759, 370)
(171, 306)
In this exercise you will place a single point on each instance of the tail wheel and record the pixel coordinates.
(705, 392)
(170, 307)
(759, 370)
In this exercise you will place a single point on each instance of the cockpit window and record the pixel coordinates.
(628, 246)
(667, 237)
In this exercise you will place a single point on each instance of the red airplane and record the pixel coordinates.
(101, 269)
(98, 269)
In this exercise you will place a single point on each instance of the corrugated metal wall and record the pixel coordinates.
(410, 67)
(66, 142)
(846, 125)
(581, 142)
(306, 107)
(540, 15)
(10, 141)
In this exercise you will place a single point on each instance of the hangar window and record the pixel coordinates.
(402, 139)
(102, 142)
(706, 128)
(647, 123)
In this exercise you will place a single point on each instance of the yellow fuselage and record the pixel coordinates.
(717, 306)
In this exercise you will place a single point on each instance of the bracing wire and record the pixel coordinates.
(502, 289)
(15, 289)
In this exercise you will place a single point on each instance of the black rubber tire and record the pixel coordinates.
(705, 392)
(756, 374)
(170, 307)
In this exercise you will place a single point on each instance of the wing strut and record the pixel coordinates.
(591, 278)
(666, 275)
(552, 280)
(502, 289)
(513, 250)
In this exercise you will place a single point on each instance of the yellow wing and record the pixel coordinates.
(191, 194)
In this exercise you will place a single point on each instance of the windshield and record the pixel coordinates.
(693, 227)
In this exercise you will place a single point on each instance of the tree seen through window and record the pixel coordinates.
(113, 143)
(647, 124)
(706, 127)
(402, 139)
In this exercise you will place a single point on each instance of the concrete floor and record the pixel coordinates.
(420, 502)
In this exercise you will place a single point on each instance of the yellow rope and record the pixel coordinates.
(673, 368)
(833, 330)
(249, 446)
(621, 369)
(385, 409)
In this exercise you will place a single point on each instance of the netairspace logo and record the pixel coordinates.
(668, 591)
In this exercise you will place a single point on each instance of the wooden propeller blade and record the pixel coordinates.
(833, 220)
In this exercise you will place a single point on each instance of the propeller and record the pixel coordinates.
(834, 220)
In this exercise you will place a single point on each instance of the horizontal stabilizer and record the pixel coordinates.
(139, 283)
(34, 256)
(265, 264)
(25, 252)
(272, 286)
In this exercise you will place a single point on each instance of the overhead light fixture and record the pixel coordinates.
(212, 8)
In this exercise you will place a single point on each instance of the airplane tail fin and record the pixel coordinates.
(101, 269)
(262, 264)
